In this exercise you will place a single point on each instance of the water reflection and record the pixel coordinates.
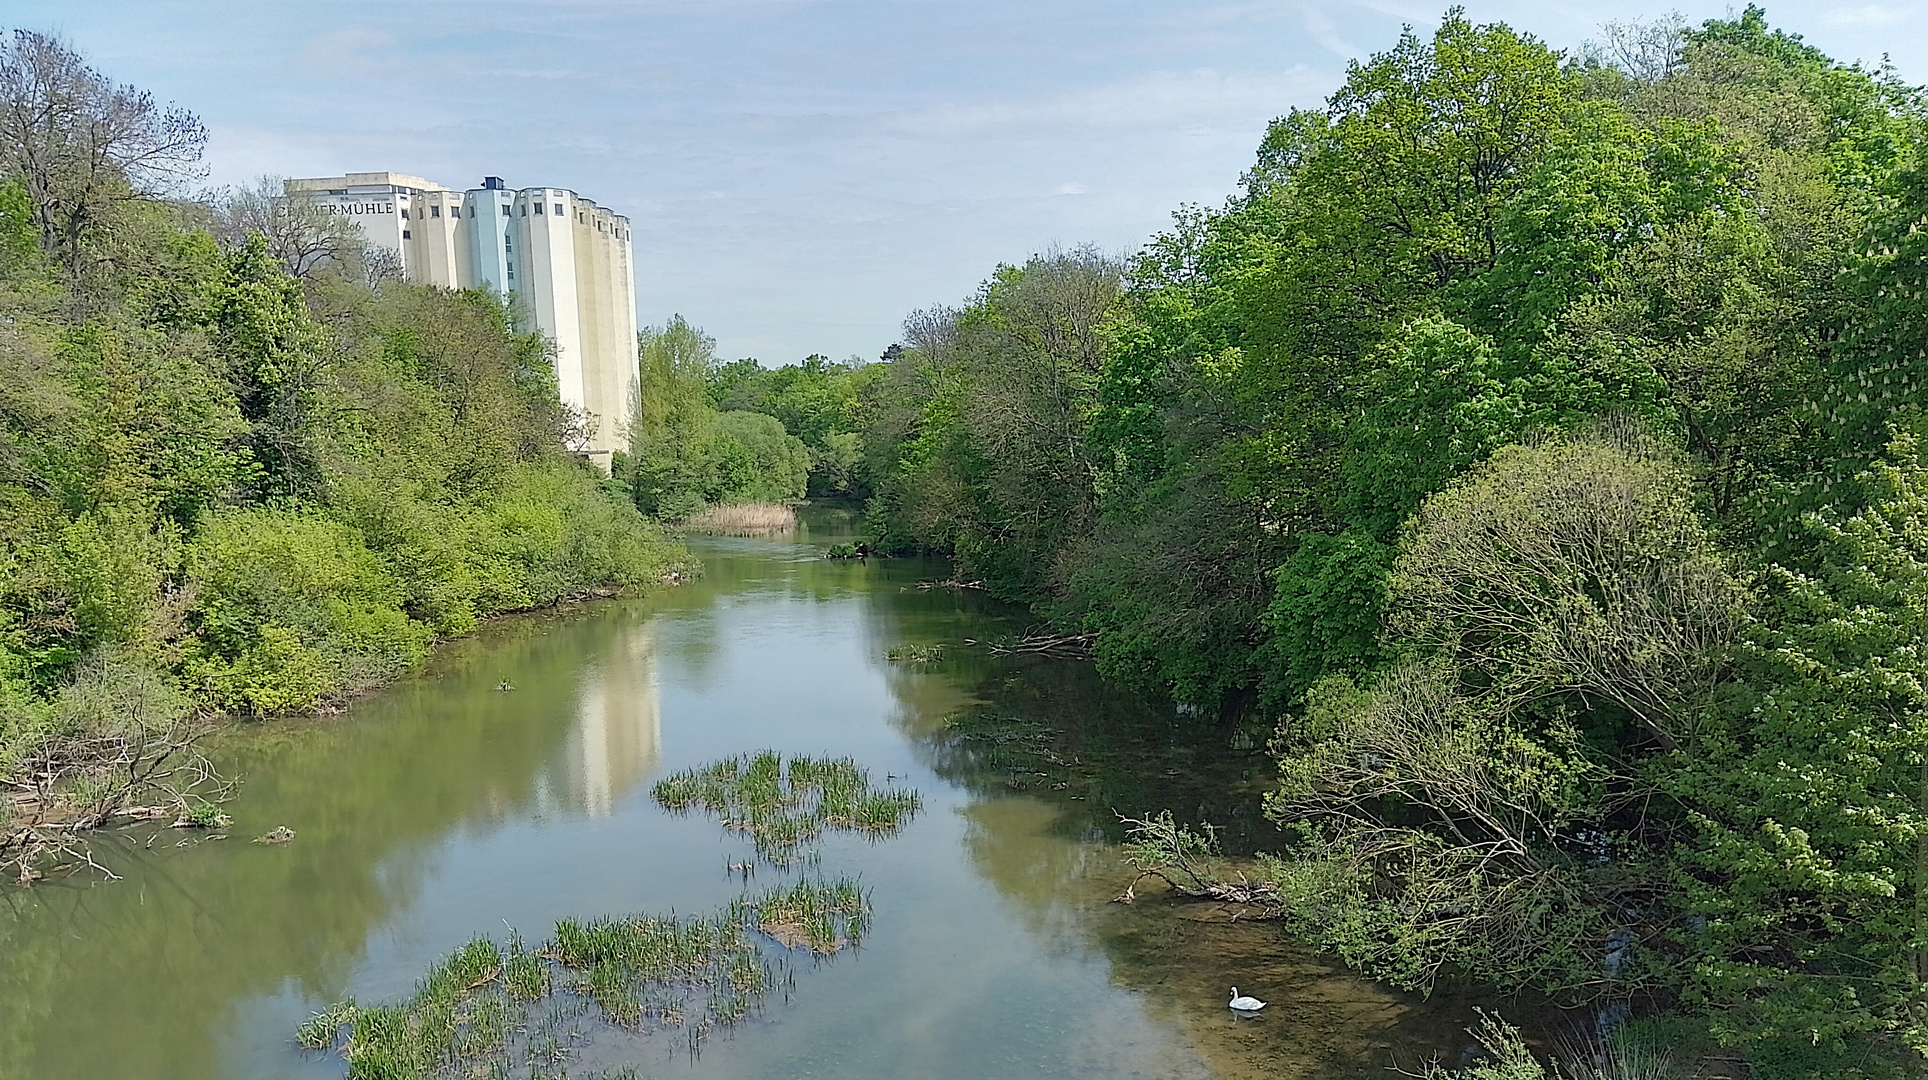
(445, 808)
(618, 739)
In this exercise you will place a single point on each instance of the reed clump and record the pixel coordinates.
(486, 1009)
(820, 916)
(743, 519)
(784, 806)
(915, 654)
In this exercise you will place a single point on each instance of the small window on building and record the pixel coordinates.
(405, 235)
(471, 211)
(558, 209)
(404, 213)
(434, 211)
(538, 208)
(525, 209)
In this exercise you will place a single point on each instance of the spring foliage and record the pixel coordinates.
(684, 453)
(226, 488)
(1532, 441)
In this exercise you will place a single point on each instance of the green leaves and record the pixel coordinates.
(1809, 867)
(684, 454)
(1555, 616)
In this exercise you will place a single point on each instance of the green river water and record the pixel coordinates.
(442, 808)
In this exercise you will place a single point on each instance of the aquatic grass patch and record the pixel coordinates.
(486, 1009)
(784, 805)
(819, 916)
(915, 654)
(323, 1029)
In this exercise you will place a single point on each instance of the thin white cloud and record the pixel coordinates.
(1868, 16)
(1319, 25)
(1162, 99)
(354, 52)
(1070, 187)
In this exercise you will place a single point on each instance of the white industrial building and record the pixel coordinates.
(562, 260)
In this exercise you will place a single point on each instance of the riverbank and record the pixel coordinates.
(441, 809)
(131, 761)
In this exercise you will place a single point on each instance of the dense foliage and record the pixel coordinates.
(684, 453)
(1532, 443)
(820, 402)
(223, 487)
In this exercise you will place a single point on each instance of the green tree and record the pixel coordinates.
(1809, 798)
(1561, 619)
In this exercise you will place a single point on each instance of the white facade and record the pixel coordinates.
(562, 261)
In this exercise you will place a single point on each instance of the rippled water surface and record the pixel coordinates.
(442, 809)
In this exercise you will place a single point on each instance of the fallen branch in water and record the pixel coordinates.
(1064, 646)
(950, 583)
(141, 769)
(1190, 864)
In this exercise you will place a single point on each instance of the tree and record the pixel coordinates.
(1562, 620)
(684, 454)
(81, 144)
(995, 467)
(1807, 875)
(675, 361)
(304, 239)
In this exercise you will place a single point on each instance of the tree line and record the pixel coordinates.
(1532, 444)
(244, 468)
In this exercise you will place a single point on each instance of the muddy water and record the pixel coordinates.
(445, 808)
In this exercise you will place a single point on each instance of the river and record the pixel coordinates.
(443, 808)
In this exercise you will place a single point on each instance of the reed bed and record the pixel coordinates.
(915, 654)
(488, 1009)
(784, 806)
(743, 519)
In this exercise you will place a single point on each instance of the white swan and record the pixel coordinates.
(1245, 1004)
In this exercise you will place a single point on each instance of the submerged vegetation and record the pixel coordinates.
(783, 807)
(490, 1007)
(915, 653)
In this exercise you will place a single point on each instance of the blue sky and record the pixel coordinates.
(801, 174)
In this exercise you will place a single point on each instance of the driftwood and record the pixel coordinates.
(1190, 865)
(1065, 646)
(77, 783)
(1243, 891)
(950, 583)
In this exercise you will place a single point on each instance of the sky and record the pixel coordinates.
(800, 175)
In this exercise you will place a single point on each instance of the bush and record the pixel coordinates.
(722, 458)
(552, 529)
(290, 608)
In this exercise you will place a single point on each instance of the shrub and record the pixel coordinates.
(290, 608)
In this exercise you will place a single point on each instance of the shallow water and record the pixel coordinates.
(442, 809)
